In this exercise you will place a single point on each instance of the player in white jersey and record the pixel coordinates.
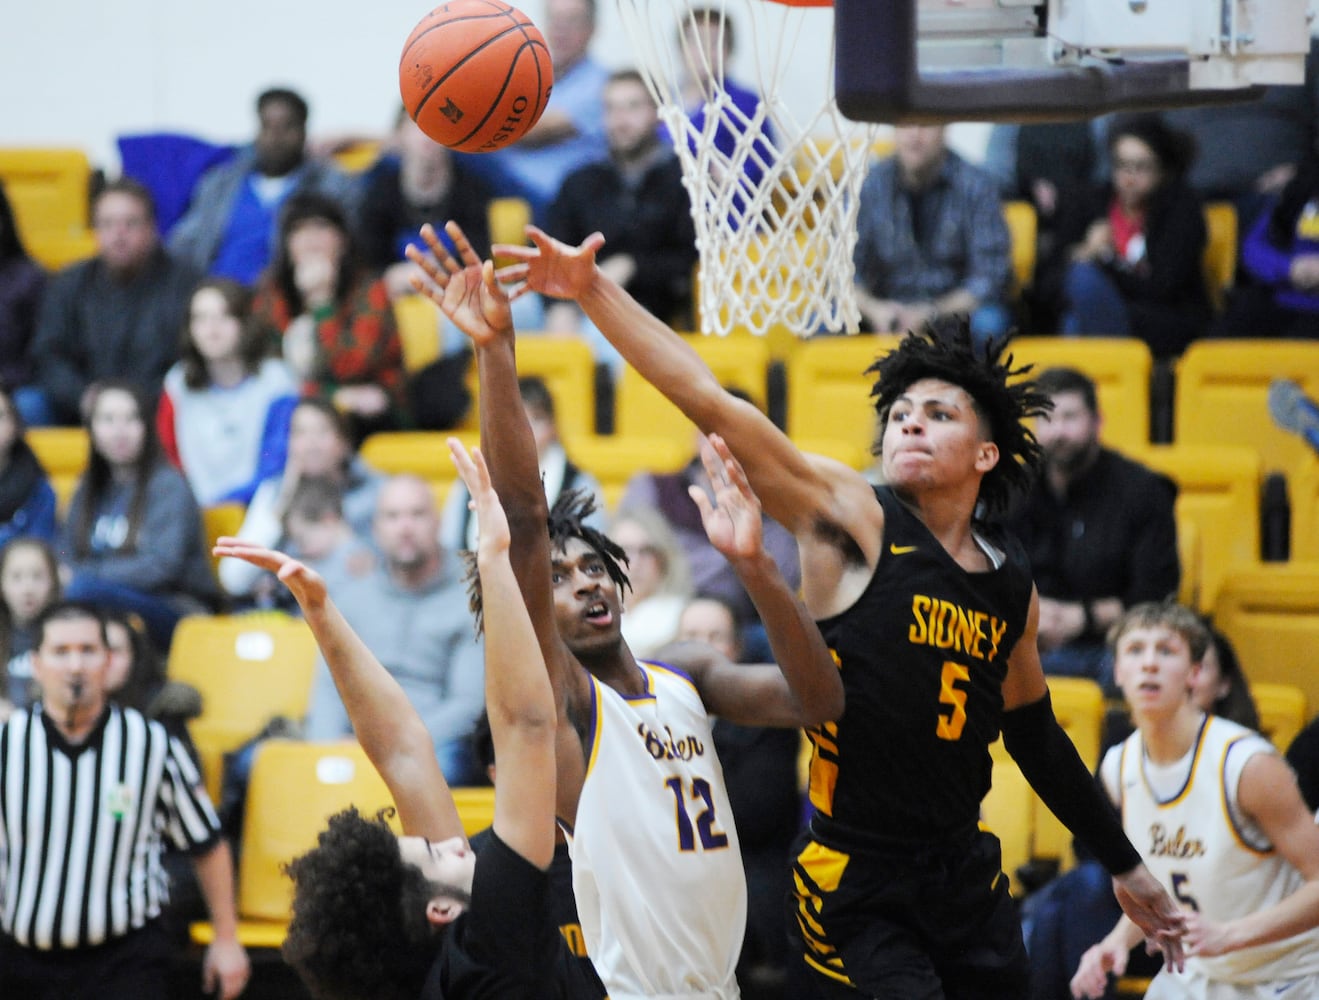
(1217, 816)
(660, 891)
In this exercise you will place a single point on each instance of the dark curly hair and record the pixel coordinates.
(359, 928)
(567, 520)
(1003, 400)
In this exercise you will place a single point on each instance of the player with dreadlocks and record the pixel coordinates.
(657, 873)
(932, 616)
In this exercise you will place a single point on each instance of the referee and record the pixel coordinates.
(87, 791)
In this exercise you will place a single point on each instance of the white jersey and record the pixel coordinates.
(657, 871)
(1186, 821)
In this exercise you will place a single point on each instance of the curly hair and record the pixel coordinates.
(1003, 399)
(567, 520)
(359, 928)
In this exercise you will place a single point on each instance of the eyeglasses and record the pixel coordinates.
(1136, 166)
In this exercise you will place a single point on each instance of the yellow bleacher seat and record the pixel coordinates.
(508, 219)
(1190, 560)
(1283, 711)
(476, 807)
(248, 669)
(222, 519)
(740, 361)
(1222, 392)
(417, 453)
(829, 392)
(358, 157)
(1303, 492)
(1271, 614)
(1218, 489)
(1007, 812)
(1220, 252)
(54, 251)
(566, 366)
(294, 788)
(62, 452)
(1023, 227)
(1119, 367)
(615, 459)
(418, 320)
(48, 189)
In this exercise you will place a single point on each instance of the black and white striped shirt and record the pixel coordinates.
(81, 827)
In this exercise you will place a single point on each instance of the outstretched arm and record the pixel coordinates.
(795, 490)
(518, 696)
(806, 689)
(386, 724)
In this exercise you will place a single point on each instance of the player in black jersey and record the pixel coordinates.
(932, 616)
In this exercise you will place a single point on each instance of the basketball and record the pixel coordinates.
(475, 75)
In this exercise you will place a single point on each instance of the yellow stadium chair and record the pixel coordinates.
(566, 366)
(416, 453)
(1023, 227)
(358, 157)
(1191, 561)
(248, 669)
(54, 250)
(508, 219)
(1220, 252)
(740, 361)
(1271, 614)
(829, 392)
(1120, 368)
(220, 520)
(294, 788)
(476, 808)
(1303, 492)
(1078, 702)
(1007, 813)
(62, 452)
(1282, 711)
(418, 320)
(48, 189)
(615, 459)
(1218, 489)
(1222, 392)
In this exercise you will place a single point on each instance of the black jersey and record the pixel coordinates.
(922, 653)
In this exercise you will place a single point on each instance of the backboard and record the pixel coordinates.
(1018, 60)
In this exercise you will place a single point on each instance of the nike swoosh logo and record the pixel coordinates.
(901, 550)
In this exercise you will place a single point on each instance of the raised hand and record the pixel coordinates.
(465, 289)
(306, 585)
(492, 523)
(1150, 908)
(732, 520)
(549, 266)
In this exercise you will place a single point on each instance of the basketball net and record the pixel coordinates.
(775, 217)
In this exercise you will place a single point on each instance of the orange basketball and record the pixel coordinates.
(475, 75)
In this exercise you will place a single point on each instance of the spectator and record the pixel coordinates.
(1137, 270)
(637, 200)
(711, 574)
(21, 283)
(336, 322)
(133, 536)
(412, 613)
(1098, 529)
(1281, 258)
(224, 412)
(27, 500)
(92, 925)
(931, 240)
(1069, 914)
(658, 582)
(230, 228)
(570, 134)
(760, 769)
(29, 584)
(318, 532)
(557, 472)
(318, 446)
(115, 315)
(1220, 819)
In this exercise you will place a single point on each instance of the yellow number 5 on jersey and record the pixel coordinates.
(950, 725)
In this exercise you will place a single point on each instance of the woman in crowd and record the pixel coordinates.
(224, 412)
(21, 283)
(133, 536)
(27, 501)
(1137, 271)
(29, 583)
(335, 321)
(657, 573)
(319, 446)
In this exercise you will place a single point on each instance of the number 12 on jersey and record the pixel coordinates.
(705, 825)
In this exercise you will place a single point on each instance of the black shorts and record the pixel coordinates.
(913, 921)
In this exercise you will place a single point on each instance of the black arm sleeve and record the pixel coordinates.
(1054, 769)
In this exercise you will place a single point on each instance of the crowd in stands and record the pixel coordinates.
(244, 355)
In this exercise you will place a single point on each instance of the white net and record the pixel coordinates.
(772, 167)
